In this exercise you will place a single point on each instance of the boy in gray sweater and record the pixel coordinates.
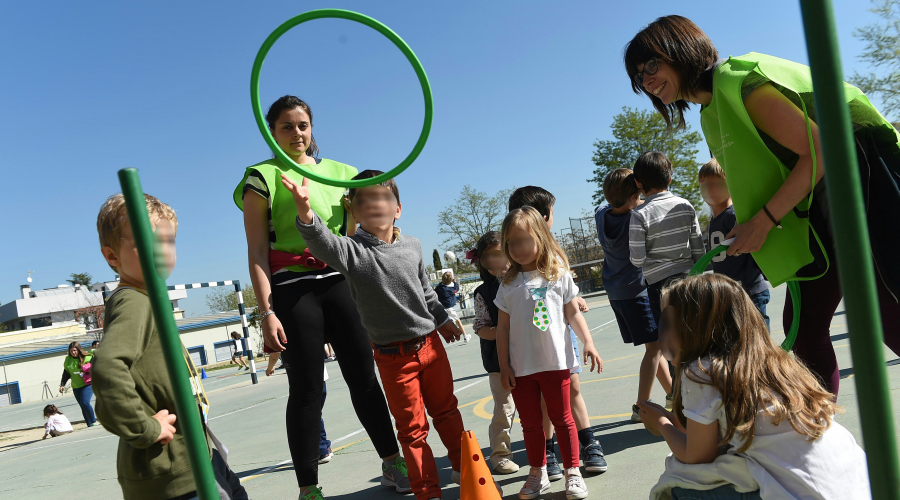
(400, 310)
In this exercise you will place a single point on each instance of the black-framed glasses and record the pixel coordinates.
(650, 68)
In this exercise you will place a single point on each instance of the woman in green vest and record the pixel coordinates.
(303, 301)
(758, 117)
(77, 366)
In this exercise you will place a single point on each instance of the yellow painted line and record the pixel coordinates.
(339, 448)
(608, 378)
(617, 415)
(479, 408)
(623, 357)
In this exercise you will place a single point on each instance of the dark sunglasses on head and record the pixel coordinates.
(650, 68)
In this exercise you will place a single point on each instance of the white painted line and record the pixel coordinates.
(601, 326)
(467, 386)
(338, 440)
(247, 408)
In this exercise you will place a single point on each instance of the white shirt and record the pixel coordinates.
(532, 350)
(58, 423)
(781, 460)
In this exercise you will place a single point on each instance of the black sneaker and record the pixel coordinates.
(592, 457)
(554, 471)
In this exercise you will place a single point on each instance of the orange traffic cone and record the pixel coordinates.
(476, 482)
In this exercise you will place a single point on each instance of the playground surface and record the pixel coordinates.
(250, 420)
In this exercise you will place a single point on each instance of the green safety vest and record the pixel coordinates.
(326, 201)
(71, 366)
(753, 173)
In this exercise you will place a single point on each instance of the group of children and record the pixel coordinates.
(529, 320)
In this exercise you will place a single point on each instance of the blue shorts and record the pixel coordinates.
(636, 323)
(577, 369)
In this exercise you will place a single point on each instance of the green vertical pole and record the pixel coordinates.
(186, 410)
(852, 244)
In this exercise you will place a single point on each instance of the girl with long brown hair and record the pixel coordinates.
(77, 366)
(739, 394)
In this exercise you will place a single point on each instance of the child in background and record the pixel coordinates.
(624, 283)
(492, 266)
(57, 423)
(741, 268)
(447, 291)
(534, 348)
(134, 395)
(590, 450)
(238, 351)
(738, 388)
(664, 235)
(403, 317)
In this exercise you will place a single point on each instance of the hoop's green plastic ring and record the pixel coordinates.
(377, 26)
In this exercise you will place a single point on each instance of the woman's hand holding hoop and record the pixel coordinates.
(750, 236)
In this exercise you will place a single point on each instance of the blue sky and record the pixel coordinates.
(521, 92)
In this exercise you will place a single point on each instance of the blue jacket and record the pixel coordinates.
(621, 279)
(447, 294)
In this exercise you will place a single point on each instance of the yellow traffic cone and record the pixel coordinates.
(476, 482)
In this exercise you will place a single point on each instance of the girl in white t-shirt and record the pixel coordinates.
(750, 421)
(57, 423)
(534, 348)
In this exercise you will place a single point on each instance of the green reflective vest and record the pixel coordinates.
(71, 365)
(326, 201)
(753, 173)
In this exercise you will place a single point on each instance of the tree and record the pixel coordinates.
(473, 214)
(436, 259)
(83, 279)
(639, 131)
(882, 51)
(223, 299)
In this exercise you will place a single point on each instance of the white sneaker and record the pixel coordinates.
(575, 486)
(455, 477)
(536, 484)
(468, 337)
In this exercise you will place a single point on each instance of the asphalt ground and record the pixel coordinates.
(250, 419)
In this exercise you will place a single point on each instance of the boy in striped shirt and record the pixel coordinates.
(664, 234)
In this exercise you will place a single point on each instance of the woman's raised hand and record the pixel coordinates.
(301, 198)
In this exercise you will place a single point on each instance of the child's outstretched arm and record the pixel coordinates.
(324, 245)
(576, 320)
(698, 444)
(507, 376)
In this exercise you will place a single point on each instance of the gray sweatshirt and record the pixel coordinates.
(387, 281)
(664, 237)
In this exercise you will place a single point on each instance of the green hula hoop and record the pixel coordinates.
(793, 288)
(377, 26)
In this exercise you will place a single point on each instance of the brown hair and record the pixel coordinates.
(447, 278)
(619, 187)
(291, 102)
(236, 335)
(653, 170)
(719, 323)
(81, 353)
(486, 241)
(533, 196)
(678, 42)
(711, 169)
(368, 174)
(551, 260)
(51, 410)
(113, 218)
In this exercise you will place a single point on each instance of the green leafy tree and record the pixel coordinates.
(436, 260)
(223, 299)
(472, 214)
(882, 52)
(639, 131)
(83, 279)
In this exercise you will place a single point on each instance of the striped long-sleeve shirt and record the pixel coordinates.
(664, 237)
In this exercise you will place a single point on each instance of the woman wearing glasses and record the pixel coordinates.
(759, 120)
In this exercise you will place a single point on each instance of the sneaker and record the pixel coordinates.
(575, 486)
(455, 477)
(670, 401)
(506, 466)
(324, 459)
(592, 457)
(468, 337)
(635, 414)
(311, 493)
(395, 474)
(554, 471)
(537, 483)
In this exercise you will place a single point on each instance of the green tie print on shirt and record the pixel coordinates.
(541, 316)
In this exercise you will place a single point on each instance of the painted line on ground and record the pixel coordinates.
(601, 326)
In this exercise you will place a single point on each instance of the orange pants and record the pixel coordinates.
(413, 383)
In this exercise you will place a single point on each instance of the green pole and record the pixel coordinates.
(186, 410)
(852, 244)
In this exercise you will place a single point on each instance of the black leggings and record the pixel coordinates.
(308, 310)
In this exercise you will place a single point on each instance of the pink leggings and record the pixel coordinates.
(554, 386)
